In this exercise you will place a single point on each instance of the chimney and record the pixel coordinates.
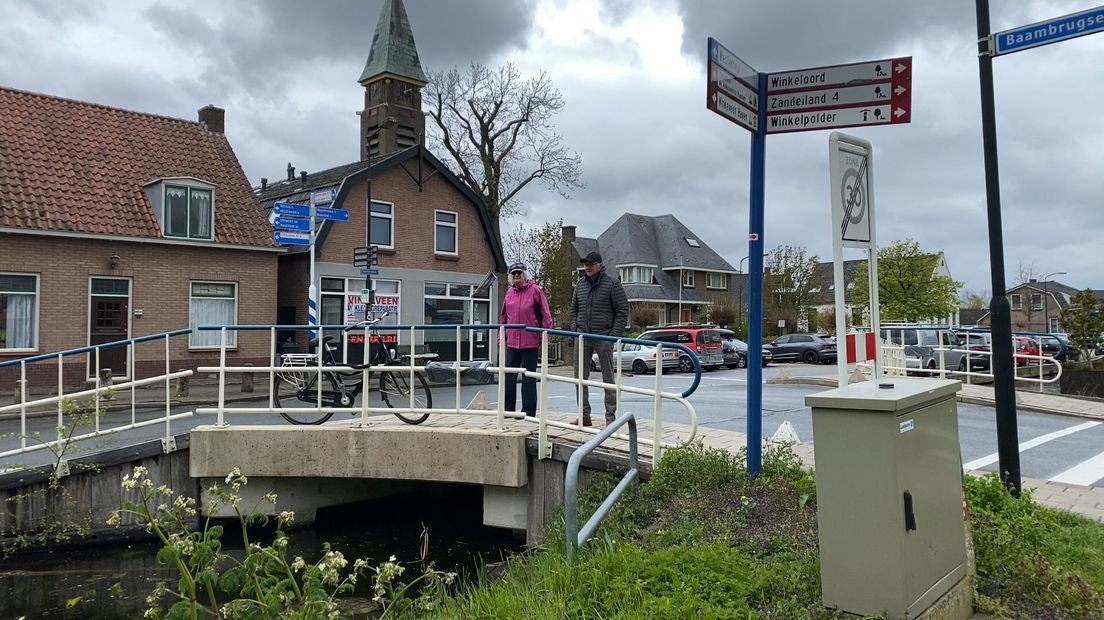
(567, 232)
(291, 172)
(303, 177)
(213, 119)
(264, 184)
(1032, 280)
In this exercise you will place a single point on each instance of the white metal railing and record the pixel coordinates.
(895, 363)
(543, 420)
(98, 394)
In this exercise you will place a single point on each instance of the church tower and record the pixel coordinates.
(392, 118)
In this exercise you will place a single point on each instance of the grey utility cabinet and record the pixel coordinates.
(889, 495)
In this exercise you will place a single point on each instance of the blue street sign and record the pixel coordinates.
(323, 213)
(292, 238)
(290, 208)
(1049, 31)
(369, 272)
(323, 197)
(291, 223)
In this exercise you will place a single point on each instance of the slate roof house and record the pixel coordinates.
(117, 224)
(1037, 306)
(434, 235)
(660, 260)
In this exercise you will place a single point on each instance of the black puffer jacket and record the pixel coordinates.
(599, 308)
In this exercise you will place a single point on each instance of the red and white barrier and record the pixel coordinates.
(861, 349)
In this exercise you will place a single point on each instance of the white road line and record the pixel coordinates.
(1084, 473)
(1027, 445)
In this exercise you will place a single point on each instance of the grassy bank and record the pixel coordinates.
(703, 540)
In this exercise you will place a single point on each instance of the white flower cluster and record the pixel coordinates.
(137, 479)
(285, 517)
(332, 564)
(182, 543)
(386, 572)
(185, 505)
(235, 479)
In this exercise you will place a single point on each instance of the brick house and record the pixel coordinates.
(117, 224)
(660, 261)
(434, 235)
(1037, 306)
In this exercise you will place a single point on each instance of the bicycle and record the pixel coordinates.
(296, 387)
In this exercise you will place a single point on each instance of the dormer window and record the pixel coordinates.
(188, 212)
(184, 206)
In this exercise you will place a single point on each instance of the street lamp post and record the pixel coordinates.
(740, 298)
(1046, 317)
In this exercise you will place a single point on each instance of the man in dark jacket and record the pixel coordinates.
(598, 306)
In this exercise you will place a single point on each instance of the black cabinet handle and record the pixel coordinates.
(910, 516)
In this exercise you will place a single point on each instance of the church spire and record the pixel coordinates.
(393, 49)
(392, 118)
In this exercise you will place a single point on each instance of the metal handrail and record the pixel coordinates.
(575, 537)
(942, 371)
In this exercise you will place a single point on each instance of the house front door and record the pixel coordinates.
(109, 321)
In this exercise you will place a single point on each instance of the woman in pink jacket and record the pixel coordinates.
(525, 304)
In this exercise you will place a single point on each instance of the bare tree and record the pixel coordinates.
(642, 314)
(497, 128)
(788, 284)
(547, 257)
(724, 310)
(975, 300)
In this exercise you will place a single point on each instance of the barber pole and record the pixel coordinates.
(864, 348)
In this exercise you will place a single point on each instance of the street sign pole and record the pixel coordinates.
(1004, 387)
(312, 290)
(755, 288)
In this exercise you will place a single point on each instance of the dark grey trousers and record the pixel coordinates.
(604, 349)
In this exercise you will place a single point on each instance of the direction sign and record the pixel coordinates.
(729, 108)
(731, 86)
(341, 215)
(290, 208)
(846, 117)
(731, 63)
(369, 272)
(839, 97)
(323, 197)
(292, 238)
(841, 75)
(291, 223)
(1048, 31)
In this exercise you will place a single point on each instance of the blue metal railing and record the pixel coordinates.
(576, 537)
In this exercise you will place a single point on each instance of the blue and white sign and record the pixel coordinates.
(1048, 31)
(290, 208)
(292, 238)
(282, 222)
(340, 215)
(731, 63)
(323, 197)
(370, 272)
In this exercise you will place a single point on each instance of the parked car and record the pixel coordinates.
(704, 341)
(1025, 350)
(1069, 353)
(735, 353)
(639, 358)
(982, 343)
(809, 348)
(925, 346)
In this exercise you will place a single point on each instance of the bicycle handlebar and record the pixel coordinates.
(363, 324)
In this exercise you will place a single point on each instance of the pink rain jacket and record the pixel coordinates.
(527, 305)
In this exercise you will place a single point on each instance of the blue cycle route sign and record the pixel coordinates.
(324, 213)
(1048, 31)
(292, 238)
(282, 222)
(290, 208)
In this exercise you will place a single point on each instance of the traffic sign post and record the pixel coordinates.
(877, 92)
(292, 209)
(283, 222)
(339, 215)
(292, 238)
(365, 256)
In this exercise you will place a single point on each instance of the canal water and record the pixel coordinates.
(113, 581)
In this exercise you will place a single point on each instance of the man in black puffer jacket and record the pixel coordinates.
(598, 306)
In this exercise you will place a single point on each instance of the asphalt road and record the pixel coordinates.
(1053, 447)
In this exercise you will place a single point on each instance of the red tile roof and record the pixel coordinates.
(74, 166)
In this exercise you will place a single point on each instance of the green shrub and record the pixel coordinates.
(1034, 561)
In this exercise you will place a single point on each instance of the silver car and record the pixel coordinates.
(639, 359)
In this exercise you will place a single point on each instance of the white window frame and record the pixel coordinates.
(1037, 306)
(722, 276)
(454, 225)
(231, 336)
(1016, 301)
(37, 312)
(165, 186)
(636, 274)
(390, 217)
(1053, 324)
(688, 278)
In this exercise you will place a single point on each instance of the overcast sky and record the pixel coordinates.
(633, 75)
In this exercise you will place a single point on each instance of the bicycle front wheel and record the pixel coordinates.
(301, 390)
(395, 390)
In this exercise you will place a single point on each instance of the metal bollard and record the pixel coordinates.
(105, 382)
(247, 381)
(183, 384)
